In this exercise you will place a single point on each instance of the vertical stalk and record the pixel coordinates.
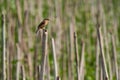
(44, 54)
(102, 57)
(114, 54)
(97, 60)
(71, 55)
(99, 36)
(35, 57)
(76, 55)
(18, 63)
(19, 11)
(55, 60)
(47, 68)
(23, 72)
(106, 41)
(82, 64)
(4, 45)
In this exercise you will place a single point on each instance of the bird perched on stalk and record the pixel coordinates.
(42, 24)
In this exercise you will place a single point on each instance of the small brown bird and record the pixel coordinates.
(42, 24)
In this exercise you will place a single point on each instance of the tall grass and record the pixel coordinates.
(85, 40)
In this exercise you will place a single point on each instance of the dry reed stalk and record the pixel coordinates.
(97, 44)
(64, 63)
(102, 57)
(23, 49)
(20, 50)
(27, 29)
(29, 35)
(21, 40)
(101, 72)
(20, 67)
(22, 72)
(76, 55)
(55, 60)
(114, 54)
(7, 63)
(58, 29)
(19, 11)
(27, 26)
(47, 68)
(100, 40)
(115, 21)
(108, 57)
(70, 41)
(26, 6)
(44, 54)
(58, 37)
(71, 55)
(18, 63)
(97, 61)
(10, 48)
(9, 60)
(68, 54)
(82, 63)
(39, 37)
(35, 57)
(4, 44)
(11, 44)
(30, 42)
(64, 57)
(21, 56)
(106, 41)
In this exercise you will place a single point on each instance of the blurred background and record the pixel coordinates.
(74, 25)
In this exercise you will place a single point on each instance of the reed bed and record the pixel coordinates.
(81, 41)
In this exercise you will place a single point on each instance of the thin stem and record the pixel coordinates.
(82, 64)
(76, 55)
(18, 63)
(114, 57)
(99, 36)
(102, 57)
(4, 45)
(97, 61)
(55, 60)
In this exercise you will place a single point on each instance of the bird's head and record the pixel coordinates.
(46, 21)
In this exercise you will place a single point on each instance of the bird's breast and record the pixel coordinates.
(46, 22)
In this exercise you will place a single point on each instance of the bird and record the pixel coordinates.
(42, 24)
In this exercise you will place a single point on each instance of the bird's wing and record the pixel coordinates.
(41, 24)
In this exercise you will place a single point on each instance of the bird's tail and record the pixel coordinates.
(37, 32)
